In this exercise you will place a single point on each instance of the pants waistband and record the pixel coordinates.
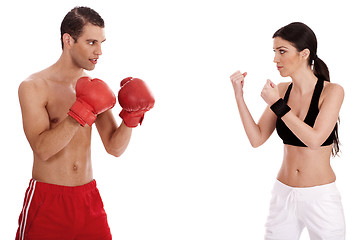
(47, 187)
(305, 192)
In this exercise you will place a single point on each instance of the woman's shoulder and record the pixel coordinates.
(332, 92)
(333, 89)
(283, 86)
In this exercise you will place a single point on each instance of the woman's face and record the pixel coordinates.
(287, 58)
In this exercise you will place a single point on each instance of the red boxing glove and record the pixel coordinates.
(135, 98)
(93, 97)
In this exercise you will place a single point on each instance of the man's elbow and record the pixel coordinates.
(42, 155)
(41, 151)
(115, 152)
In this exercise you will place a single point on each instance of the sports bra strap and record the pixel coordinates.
(286, 97)
(316, 95)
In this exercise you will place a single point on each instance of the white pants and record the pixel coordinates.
(318, 208)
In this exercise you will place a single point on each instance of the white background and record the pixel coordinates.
(189, 171)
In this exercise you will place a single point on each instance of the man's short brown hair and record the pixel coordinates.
(76, 19)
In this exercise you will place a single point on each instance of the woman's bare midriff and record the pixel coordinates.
(305, 167)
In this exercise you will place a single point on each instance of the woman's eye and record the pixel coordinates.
(280, 51)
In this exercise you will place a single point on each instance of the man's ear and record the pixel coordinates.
(68, 40)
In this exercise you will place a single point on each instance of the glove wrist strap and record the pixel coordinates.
(132, 119)
(81, 112)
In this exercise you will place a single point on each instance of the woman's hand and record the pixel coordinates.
(270, 92)
(237, 80)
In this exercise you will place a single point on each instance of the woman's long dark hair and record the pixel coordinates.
(302, 37)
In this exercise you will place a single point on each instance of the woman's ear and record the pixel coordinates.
(305, 54)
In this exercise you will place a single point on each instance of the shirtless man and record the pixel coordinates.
(62, 201)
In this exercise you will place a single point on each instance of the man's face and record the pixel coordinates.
(87, 50)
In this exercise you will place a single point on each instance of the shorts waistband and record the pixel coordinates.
(48, 187)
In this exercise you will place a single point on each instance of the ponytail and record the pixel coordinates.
(336, 143)
(320, 69)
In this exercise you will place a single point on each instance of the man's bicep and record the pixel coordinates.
(34, 113)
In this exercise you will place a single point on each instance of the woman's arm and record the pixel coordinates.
(257, 133)
(313, 137)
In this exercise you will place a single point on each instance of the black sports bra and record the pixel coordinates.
(287, 135)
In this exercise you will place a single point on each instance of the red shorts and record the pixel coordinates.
(60, 212)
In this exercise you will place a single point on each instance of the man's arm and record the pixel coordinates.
(45, 142)
(135, 99)
(114, 138)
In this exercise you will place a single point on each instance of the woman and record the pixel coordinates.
(304, 113)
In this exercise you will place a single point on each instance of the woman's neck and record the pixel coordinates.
(304, 81)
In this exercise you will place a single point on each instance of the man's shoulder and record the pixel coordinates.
(34, 84)
(35, 80)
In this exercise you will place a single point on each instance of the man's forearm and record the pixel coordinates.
(119, 140)
(52, 141)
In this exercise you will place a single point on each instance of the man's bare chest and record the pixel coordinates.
(60, 99)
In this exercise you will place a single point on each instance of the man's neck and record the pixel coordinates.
(65, 70)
